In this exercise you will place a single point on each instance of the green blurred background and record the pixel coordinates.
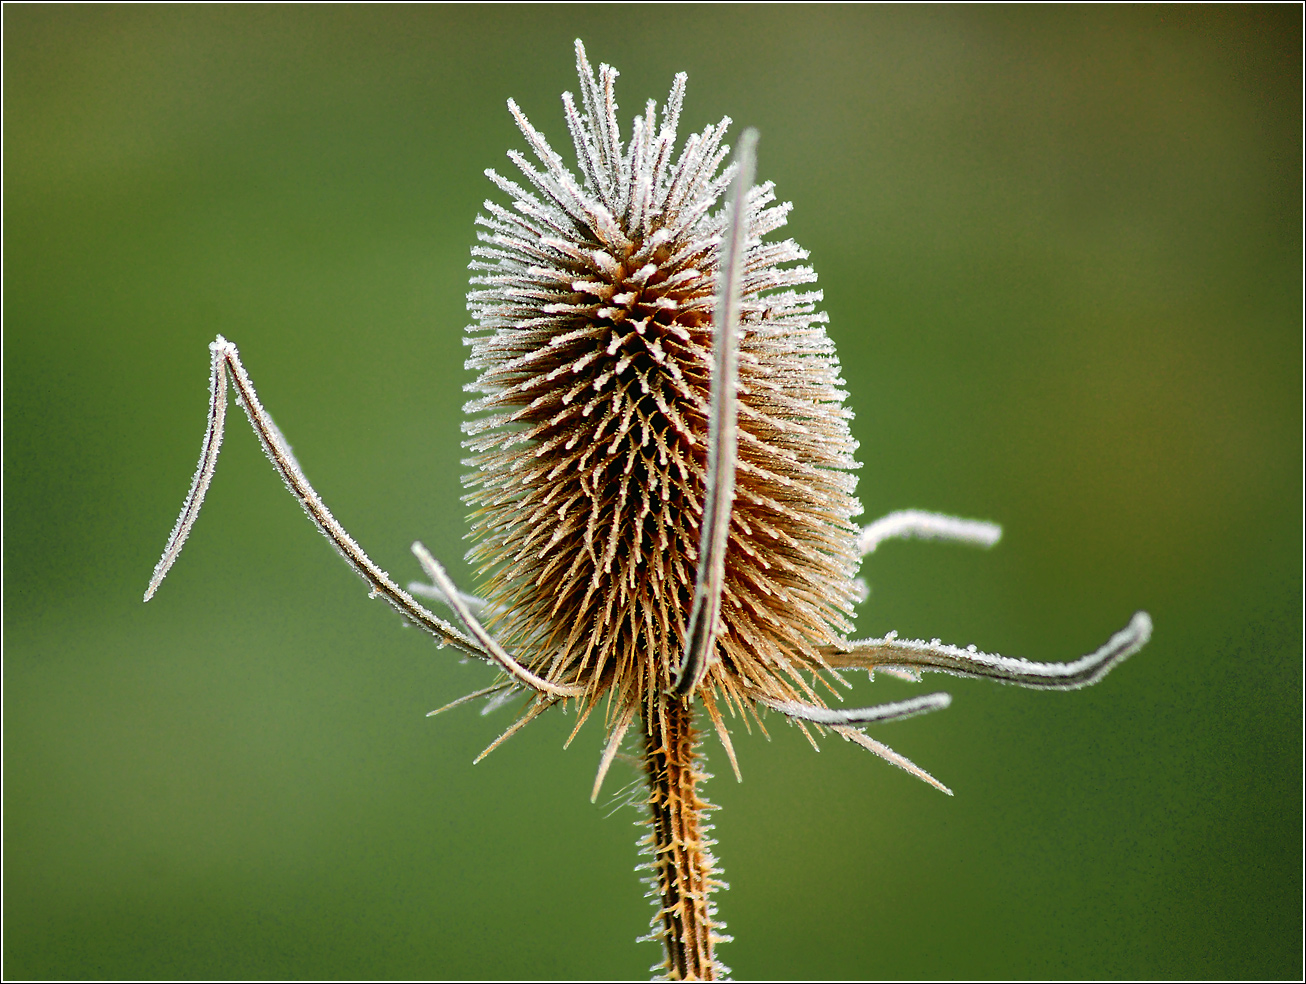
(1061, 255)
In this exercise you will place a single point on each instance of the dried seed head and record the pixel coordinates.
(593, 339)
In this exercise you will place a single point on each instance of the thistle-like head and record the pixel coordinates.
(593, 301)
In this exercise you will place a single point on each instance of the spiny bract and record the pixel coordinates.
(593, 344)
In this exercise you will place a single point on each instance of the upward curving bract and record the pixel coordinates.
(593, 341)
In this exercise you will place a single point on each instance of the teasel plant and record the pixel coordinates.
(662, 482)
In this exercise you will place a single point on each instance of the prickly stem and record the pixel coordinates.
(684, 872)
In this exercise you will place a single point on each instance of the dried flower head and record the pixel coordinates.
(594, 345)
(663, 479)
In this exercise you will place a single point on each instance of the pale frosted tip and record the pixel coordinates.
(920, 525)
(1140, 629)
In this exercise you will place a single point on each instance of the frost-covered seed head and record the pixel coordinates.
(593, 300)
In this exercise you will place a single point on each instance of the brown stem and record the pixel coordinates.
(684, 872)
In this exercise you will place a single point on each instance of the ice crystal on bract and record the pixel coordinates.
(593, 341)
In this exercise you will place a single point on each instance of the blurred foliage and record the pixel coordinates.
(1061, 249)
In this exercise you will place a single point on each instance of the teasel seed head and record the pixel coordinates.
(663, 479)
(593, 305)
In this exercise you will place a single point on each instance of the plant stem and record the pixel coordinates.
(684, 872)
